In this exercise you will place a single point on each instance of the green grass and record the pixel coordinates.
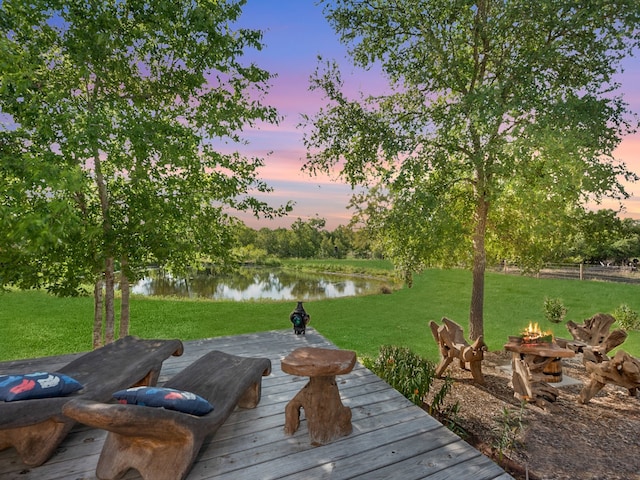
(34, 324)
(351, 266)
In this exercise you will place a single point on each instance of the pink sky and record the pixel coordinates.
(295, 34)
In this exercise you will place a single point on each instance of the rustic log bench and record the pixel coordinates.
(327, 417)
(622, 370)
(450, 338)
(593, 338)
(162, 444)
(36, 427)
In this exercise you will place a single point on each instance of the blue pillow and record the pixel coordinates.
(168, 398)
(36, 385)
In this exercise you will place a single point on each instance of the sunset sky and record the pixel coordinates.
(295, 33)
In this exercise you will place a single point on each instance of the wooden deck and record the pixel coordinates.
(392, 438)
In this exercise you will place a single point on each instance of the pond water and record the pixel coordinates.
(258, 283)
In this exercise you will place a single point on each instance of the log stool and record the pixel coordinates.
(327, 417)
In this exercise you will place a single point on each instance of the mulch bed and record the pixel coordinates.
(566, 441)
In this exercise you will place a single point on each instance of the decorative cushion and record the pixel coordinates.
(168, 398)
(36, 385)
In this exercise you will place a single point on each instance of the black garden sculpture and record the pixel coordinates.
(300, 319)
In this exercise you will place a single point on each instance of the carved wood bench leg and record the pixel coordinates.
(476, 371)
(35, 443)
(251, 397)
(327, 418)
(442, 366)
(152, 458)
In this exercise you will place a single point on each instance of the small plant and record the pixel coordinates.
(407, 372)
(554, 310)
(450, 418)
(508, 427)
(413, 377)
(627, 318)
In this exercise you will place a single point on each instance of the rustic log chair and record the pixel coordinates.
(622, 370)
(593, 338)
(450, 338)
(36, 427)
(162, 444)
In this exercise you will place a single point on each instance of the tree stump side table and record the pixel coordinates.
(327, 417)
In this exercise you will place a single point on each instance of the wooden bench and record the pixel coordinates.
(36, 427)
(450, 338)
(593, 338)
(163, 444)
(622, 370)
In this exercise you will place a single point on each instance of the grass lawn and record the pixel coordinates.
(34, 324)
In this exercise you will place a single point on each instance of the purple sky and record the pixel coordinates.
(295, 33)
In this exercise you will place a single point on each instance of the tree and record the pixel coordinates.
(307, 237)
(500, 122)
(597, 235)
(116, 112)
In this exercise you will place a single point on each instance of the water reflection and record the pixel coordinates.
(257, 283)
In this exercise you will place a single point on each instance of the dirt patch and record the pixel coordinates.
(567, 441)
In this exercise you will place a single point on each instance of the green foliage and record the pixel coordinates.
(408, 373)
(498, 124)
(508, 427)
(626, 317)
(115, 108)
(554, 310)
(450, 417)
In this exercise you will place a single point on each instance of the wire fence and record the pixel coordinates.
(580, 271)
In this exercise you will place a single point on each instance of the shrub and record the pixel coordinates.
(554, 310)
(408, 373)
(627, 318)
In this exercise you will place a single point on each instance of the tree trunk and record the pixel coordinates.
(97, 314)
(109, 262)
(109, 323)
(124, 306)
(476, 312)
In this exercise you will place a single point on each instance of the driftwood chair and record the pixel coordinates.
(593, 338)
(163, 444)
(622, 370)
(36, 427)
(450, 338)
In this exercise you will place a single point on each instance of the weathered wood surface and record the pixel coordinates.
(450, 339)
(36, 427)
(622, 370)
(594, 332)
(391, 438)
(327, 417)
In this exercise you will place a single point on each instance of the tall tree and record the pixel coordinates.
(114, 114)
(500, 121)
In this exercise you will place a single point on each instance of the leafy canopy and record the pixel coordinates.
(118, 116)
(499, 123)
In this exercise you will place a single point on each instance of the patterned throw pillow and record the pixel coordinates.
(168, 398)
(36, 385)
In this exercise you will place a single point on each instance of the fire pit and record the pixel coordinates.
(533, 336)
(537, 361)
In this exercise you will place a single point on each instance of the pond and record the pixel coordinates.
(257, 284)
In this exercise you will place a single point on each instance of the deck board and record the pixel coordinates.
(391, 438)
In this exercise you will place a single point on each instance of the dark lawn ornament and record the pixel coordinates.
(300, 319)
